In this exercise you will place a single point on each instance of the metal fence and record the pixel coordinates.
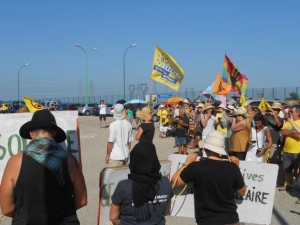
(255, 93)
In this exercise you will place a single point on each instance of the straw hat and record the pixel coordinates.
(215, 142)
(144, 113)
(276, 105)
(186, 101)
(208, 106)
(230, 108)
(200, 105)
(42, 119)
(241, 112)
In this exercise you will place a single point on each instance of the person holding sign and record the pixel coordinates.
(216, 182)
(43, 184)
(145, 197)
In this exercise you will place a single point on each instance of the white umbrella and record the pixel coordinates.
(136, 101)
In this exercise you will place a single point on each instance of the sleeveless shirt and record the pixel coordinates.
(40, 199)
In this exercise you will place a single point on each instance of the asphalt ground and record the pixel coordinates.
(93, 141)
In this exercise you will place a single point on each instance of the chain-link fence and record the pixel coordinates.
(255, 93)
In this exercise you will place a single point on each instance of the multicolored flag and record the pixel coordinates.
(32, 105)
(264, 105)
(238, 81)
(166, 70)
(208, 94)
(220, 86)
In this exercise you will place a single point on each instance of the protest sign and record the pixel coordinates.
(11, 143)
(255, 207)
(109, 178)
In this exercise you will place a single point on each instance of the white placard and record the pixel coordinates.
(11, 143)
(109, 178)
(257, 204)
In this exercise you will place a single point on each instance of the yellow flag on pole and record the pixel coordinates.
(264, 105)
(220, 86)
(243, 100)
(32, 105)
(166, 70)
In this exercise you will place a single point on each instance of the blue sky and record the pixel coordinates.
(261, 37)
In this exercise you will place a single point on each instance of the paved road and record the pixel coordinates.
(93, 149)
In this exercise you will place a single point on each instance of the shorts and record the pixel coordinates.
(102, 116)
(113, 163)
(180, 140)
(290, 161)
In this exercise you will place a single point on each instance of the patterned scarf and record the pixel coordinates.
(48, 153)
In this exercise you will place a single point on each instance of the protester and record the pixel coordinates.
(120, 138)
(216, 182)
(163, 113)
(228, 116)
(207, 119)
(102, 113)
(259, 135)
(182, 124)
(274, 123)
(291, 149)
(240, 133)
(145, 197)
(52, 107)
(146, 129)
(130, 114)
(197, 119)
(43, 184)
(220, 122)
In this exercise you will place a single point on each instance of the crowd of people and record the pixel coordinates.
(223, 135)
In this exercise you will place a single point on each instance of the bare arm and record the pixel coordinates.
(269, 137)
(108, 151)
(290, 133)
(242, 191)
(9, 179)
(138, 134)
(237, 126)
(205, 120)
(291, 120)
(114, 214)
(80, 192)
(176, 180)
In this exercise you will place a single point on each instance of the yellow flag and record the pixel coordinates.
(220, 86)
(32, 105)
(243, 100)
(264, 105)
(166, 70)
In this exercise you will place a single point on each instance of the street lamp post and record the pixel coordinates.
(86, 73)
(27, 64)
(131, 46)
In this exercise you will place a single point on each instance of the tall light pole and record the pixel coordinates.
(131, 46)
(86, 73)
(27, 64)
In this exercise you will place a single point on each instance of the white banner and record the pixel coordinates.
(109, 178)
(11, 143)
(255, 207)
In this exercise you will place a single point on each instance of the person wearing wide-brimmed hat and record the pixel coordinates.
(240, 133)
(208, 119)
(146, 129)
(43, 184)
(216, 182)
(274, 122)
(120, 138)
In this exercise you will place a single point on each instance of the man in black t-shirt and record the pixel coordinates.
(182, 124)
(216, 182)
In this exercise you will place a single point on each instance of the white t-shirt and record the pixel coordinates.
(102, 109)
(120, 134)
